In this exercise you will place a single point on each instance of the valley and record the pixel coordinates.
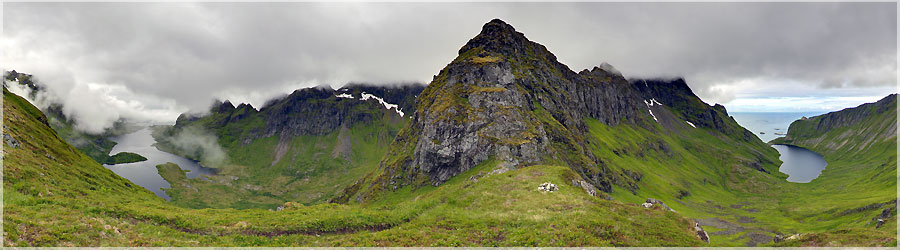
(458, 162)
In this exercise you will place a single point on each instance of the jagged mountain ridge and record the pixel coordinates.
(303, 147)
(301, 112)
(508, 98)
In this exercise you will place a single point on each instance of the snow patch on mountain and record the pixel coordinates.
(367, 96)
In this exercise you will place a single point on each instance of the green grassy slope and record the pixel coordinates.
(860, 146)
(55, 195)
(696, 175)
(264, 171)
(96, 146)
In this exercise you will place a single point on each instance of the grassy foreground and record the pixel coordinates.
(55, 195)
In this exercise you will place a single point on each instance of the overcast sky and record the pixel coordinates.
(155, 61)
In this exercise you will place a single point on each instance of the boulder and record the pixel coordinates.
(547, 187)
(778, 238)
(658, 202)
(590, 189)
(647, 205)
(10, 141)
(879, 224)
(701, 233)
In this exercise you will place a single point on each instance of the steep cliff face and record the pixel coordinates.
(507, 98)
(851, 130)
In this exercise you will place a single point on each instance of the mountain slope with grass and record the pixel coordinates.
(859, 183)
(507, 99)
(303, 148)
(55, 195)
(97, 146)
(466, 164)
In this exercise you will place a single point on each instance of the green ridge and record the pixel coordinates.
(55, 195)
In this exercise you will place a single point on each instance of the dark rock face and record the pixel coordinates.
(403, 95)
(508, 99)
(309, 111)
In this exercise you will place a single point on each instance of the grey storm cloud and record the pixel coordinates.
(153, 61)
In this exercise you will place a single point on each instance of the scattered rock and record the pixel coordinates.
(474, 178)
(590, 189)
(10, 141)
(745, 219)
(889, 209)
(888, 212)
(647, 205)
(700, 232)
(658, 202)
(778, 238)
(756, 238)
(547, 187)
(794, 237)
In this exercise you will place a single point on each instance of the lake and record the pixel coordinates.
(801, 165)
(144, 173)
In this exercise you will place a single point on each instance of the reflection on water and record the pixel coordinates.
(801, 165)
(144, 173)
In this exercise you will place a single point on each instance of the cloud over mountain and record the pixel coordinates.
(156, 60)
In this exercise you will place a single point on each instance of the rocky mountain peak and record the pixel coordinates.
(224, 107)
(508, 99)
(498, 37)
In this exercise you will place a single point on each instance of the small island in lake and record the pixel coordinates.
(124, 157)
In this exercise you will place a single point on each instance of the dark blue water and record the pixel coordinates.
(769, 123)
(144, 173)
(801, 165)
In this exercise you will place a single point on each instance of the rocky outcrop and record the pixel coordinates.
(655, 202)
(10, 141)
(590, 189)
(508, 98)
(701, 233)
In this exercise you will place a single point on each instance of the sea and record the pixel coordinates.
(769, 125)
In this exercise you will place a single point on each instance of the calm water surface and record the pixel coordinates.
(801, 165)
(144, 173)
(769, 123)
